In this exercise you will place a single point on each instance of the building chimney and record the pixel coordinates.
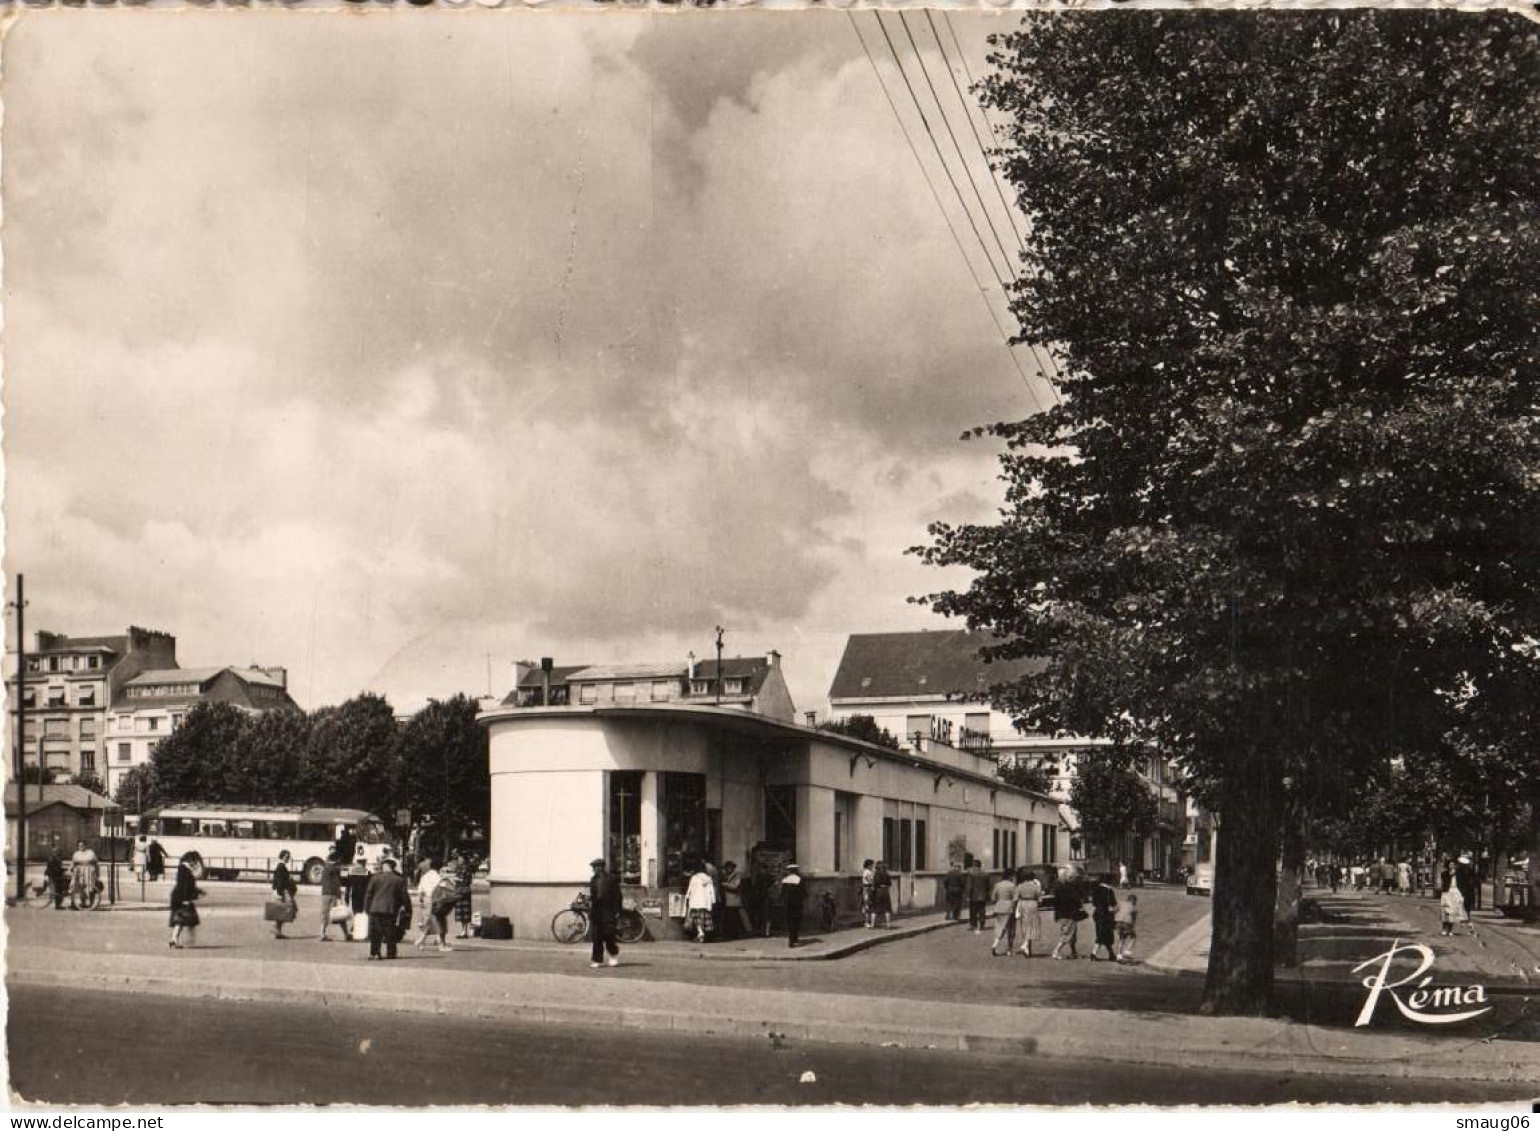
(691, 658)
(773, 658)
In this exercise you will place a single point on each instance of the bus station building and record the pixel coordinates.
(644, 766)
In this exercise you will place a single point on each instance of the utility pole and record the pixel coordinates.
(21, 730)
(719, 664)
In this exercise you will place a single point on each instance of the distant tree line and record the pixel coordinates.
(355, 754)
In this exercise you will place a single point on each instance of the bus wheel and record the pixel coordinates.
(313, 870)
(195, 866)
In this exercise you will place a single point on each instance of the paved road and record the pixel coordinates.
(944, 965)
(147, 1050)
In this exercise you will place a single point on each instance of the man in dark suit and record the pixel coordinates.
(793, 896)
(385, 898)
(604, 903)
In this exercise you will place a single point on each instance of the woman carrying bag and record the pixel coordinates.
(184, 908)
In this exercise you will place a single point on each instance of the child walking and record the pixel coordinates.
(1127, 913)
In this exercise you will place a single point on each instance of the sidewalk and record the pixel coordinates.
(812, 947)
(604, 999)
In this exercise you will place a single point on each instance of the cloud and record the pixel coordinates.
(375, 346)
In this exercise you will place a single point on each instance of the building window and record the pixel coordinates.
(56, 697)
(154, 723)
(732, 687)
(700, 687)
(889, 840)
(94, 662)
(662, 690)
(994, 845)
(29, 698)
(151, 747)
(781, 818)
(87, 728)
(1050, 851)
(125, 752)
(56, 728)
(625, 831)
(921, 840)
(905, 845)
(87, 697)
(588, 693)
(88, 761)
(977, 722)
(625, 693)
(684, 824)
(844, 815)
(916, 725)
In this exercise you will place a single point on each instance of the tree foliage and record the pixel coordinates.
(1287, 502)
(863, 727)
(354, 754)
(443, 758)
(1110, 799)
(1035, 777)
(140, 786)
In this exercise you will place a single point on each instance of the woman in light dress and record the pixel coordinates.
(699, 898)
(1029, 922)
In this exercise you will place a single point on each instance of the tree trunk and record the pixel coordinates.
(1240, 963)
(1286, 907)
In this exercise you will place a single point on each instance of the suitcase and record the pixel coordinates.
(278, 911)
(340, 914)
(496, 927)
(360, 928)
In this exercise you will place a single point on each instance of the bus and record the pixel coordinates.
(222, 841)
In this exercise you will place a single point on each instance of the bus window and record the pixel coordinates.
(245, 830)
(211, 828)
(371, 832)
(311, 830)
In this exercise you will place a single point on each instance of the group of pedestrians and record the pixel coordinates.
(876, 894)
(725, 904)
(377, 896)
(79, 881)
(1021, 898)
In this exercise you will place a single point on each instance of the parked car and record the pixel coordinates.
(1200, 881)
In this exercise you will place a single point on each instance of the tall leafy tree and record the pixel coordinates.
(193, 762)
(140, 787)
(1287, 502)
(863, 727)
(351, 756)
(443, 755)
(1110, 799)
(1036, 776)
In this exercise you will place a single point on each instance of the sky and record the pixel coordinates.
(394, 347)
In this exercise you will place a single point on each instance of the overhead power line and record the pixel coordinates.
(962, 200)
(1041, 354)
(952, 228)
(989, 222)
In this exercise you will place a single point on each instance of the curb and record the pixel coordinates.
(1043, 1033)
(863, 941)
